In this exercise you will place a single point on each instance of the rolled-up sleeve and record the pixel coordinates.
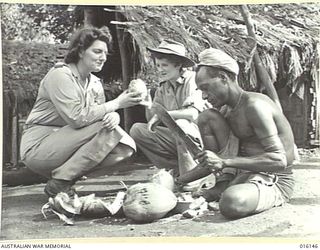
(66, 97)
(158, 98)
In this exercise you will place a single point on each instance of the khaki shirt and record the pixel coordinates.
(63, 101)
(185, 94)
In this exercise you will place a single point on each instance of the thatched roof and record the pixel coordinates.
(286, 36)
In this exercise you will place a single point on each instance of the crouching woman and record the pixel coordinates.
(72, 131)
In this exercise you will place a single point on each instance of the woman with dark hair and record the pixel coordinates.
(72, 131)
(178, 94)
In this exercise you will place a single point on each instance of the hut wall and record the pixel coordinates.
(297, 112)
(315, 102)
(314, 117)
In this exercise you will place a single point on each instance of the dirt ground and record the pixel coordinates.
(22, 219)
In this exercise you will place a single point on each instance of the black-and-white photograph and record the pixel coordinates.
(164, 121)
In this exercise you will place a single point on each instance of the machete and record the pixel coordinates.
(170, 123)
(197, 172)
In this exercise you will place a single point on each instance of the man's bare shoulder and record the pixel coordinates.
(259, 105)
(258, 101)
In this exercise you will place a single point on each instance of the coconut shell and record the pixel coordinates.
(146, 202)
(138, 86)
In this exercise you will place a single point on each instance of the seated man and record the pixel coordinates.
(259, 176)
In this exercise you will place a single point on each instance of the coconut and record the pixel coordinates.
(146, 202)
(163, 178)
(138, 86)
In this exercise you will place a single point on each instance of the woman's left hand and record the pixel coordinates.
(111, 120)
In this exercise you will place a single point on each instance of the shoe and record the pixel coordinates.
(55, 186)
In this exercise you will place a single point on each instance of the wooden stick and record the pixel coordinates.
(126, 67)
(262, 73)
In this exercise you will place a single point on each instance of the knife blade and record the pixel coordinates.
(195, 173)
(170, 123)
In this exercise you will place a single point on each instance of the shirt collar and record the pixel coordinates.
(75, 71)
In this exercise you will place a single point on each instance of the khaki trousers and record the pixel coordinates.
(66, 153)
(163, 149)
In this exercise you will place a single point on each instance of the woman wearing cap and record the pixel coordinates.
(71, 130)
(178, 94)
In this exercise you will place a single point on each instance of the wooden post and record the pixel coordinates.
(7, 126)
(127, 72)
(89, 16)
(15, 131)
(11, 128)
(262, 73)
(92, 18)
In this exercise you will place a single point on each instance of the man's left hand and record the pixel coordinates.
(208, 159)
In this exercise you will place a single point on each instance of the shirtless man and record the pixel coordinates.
(258, 175)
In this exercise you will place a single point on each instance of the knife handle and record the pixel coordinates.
(194, 174)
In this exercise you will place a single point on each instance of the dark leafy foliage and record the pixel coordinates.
(37, 22)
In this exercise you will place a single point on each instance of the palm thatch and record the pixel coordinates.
(286, 37)
(287, 41)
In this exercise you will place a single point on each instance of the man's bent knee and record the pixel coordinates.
(208, 115)
(235, 204)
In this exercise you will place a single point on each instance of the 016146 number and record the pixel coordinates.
(309, 246)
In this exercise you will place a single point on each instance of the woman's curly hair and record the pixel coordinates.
(83, 39)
